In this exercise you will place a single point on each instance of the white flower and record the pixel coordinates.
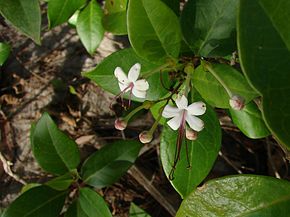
(136, 87)
(184, 113)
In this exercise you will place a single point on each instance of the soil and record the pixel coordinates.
(36, 79)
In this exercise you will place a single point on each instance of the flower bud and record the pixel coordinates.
(190, 134)
(120, 124)
(237, 102)
(145, 137)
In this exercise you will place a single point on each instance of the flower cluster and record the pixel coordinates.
(181, 115)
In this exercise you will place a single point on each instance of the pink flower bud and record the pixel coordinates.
(190, 134)
(145, 137)
(120, 124)
(237, 102)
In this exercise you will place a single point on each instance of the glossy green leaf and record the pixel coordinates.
(115, 19)
(250, 121)
(104, 76)
(202, 154)
(29, 186)
(75, 210)
(74, 18)
(61, 182)
(116, 23)
(60, 11)
(4, 52)
(24, 15)
(174, 5)
(265, 60)
(54, 151)
(243, 195)
(209, 26)
(153, 30)
(136, 211)
(210, 88)
(38, 201)
(89, 26)
(92, 204)
(278, 13)
(108, 164)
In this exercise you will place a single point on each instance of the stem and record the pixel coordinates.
(129, 116)
(212, 71)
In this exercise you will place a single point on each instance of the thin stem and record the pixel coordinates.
(130, 115)
(212, 71)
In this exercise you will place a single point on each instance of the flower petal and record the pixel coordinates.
(123, 87)
(181, 102)
(175, 122)
(197, 108)
(120, 75)
(134, 72)
(170, 111)
(138, 93)
(194, 122)
(141, 85)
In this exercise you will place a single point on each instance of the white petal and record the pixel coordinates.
(120, 75)
(141, 85)
(123, 87)
(175, 122)
(197, 108)
(181, 102)
(194, 122)
(170, 111)
(134, 72)
(138, 93)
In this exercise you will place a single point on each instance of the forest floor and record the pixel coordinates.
(48, 78)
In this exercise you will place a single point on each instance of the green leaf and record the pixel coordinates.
(61, 182)
(60, 11)
(104, 76)
(4, 52)
(24, 15)
(210, 88)
(89, 26)
(116, 23)
(107, 165)
(136, 211)
(174, 5)
(265, 60)
(115, 19)
(74, 18)
(75, 210)
(54, 151)
(155, 111)
(202, 154)
(38, 201)
(29, 186)
(250, 121)
(243, 195)
(153, 30)
(209, 26)
(93, 204)
(278, 13)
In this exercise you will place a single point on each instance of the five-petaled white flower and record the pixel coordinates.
(136, 87)
(184, 113)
